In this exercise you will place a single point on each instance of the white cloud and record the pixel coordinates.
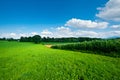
(23, 34)
(63, 28)
(27, 34)
(78, 23)
(57, 32)
(109, 34)
(67, 32)
(12, 34)
(16, 35)
(46, 33)
(63, 32)
(34, 33)
(115, 26)
(81, 33)
(111, 11)
(9, 35)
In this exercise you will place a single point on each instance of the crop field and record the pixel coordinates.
(28, 61)
(103, 47)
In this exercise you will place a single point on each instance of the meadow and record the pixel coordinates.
(28, 61)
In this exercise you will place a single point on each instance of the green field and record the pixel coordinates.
(28, 61)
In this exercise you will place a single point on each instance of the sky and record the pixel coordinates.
(60, 18)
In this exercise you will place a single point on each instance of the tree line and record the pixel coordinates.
(8, 39)
(38, 39)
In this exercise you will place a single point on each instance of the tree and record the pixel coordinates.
(3, 38)
(30, 39)
(10, 39)
(36, 39)
(22, 39)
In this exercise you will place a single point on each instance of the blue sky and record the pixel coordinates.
(54, 18)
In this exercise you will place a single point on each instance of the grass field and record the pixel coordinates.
(28, 61)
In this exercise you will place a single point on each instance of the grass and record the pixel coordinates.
(27, 61)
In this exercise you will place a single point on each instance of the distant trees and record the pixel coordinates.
(69, 39)
(2, 38)
(36, 39)
(8, 39)
(24, 39)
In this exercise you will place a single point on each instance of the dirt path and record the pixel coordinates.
(49, 46)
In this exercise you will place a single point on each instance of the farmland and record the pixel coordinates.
(103, 47)
(28, 61)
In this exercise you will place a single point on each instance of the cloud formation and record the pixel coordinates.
(115, 26)
(67, 32)
(63, 32)
(82, 33)
(46, 33)
(111, 11)
(79, 23)
(34, 33)
(9, 35)
(12, 34)
(57, 33)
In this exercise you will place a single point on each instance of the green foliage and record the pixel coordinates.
(69, 39)
(28, 61)
(11, 39)
(105, 47)
(3, 38)
(36, 39)
(48, 39)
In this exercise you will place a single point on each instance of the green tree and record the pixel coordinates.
(36, 39)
